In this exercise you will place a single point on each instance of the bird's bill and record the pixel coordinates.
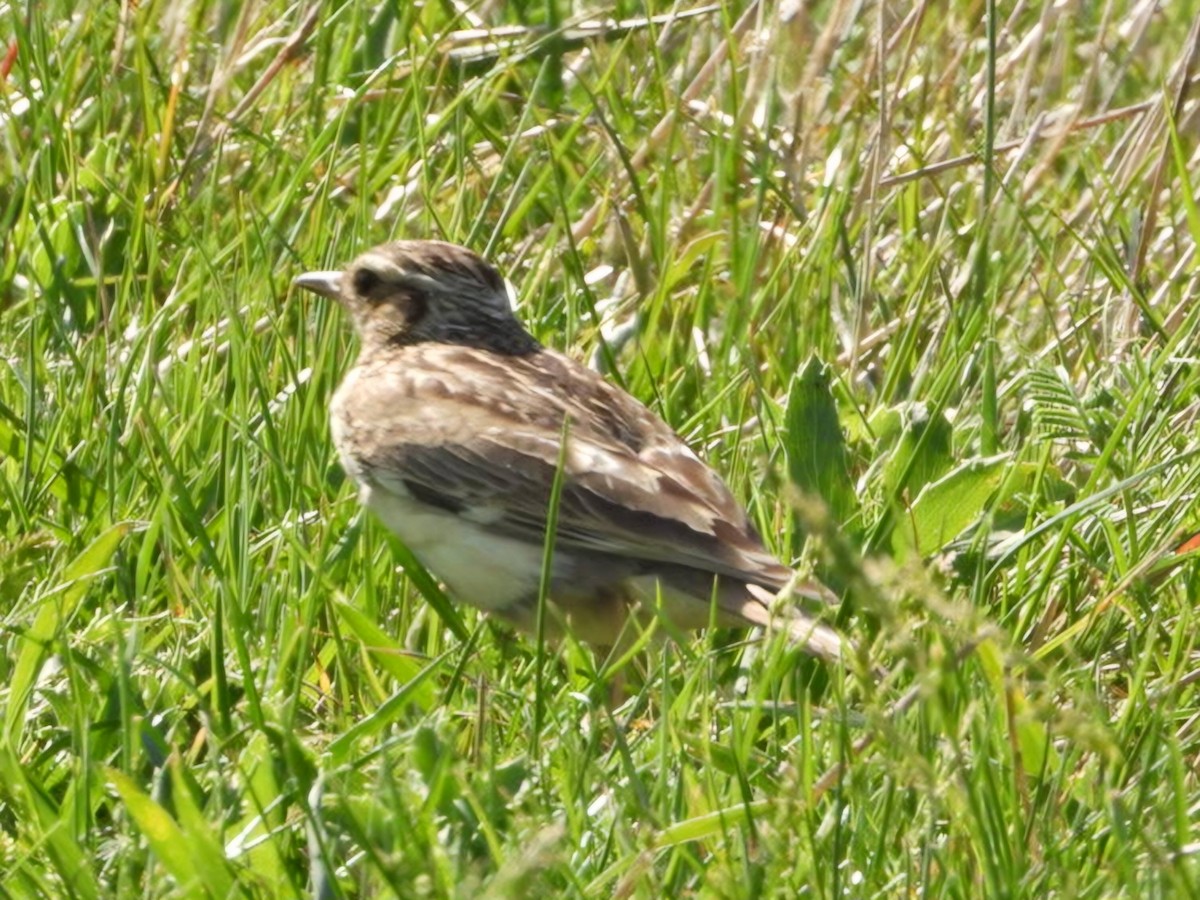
(327, 284)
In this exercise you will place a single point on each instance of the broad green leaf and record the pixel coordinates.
(945, 508)
(816, 447)
(164, 835)
(923, 453)
(203, 844)
(885, 426)
(387, 652)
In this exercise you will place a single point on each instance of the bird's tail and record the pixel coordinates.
(813, 637)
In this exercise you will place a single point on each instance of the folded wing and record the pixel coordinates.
(629, 486)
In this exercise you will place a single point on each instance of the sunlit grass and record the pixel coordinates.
(214, 680)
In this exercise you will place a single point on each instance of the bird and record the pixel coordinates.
(462, 431)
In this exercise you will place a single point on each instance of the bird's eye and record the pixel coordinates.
(365, 282)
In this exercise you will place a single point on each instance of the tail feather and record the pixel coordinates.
(813, 637)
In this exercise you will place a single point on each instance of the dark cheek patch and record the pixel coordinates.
(413, 307)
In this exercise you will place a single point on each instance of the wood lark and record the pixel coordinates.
(452, 422)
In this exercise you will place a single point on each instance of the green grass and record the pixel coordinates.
(215, 682)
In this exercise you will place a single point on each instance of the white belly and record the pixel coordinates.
(488, 571)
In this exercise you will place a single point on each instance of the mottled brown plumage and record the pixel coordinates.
(451, 423)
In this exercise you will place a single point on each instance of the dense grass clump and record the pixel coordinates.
(920, 282)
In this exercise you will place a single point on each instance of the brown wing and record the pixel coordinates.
(480, 434)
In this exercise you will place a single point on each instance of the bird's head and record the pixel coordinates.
(406, 292)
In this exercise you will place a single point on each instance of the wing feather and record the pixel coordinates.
(457, 428)
(617, 508)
